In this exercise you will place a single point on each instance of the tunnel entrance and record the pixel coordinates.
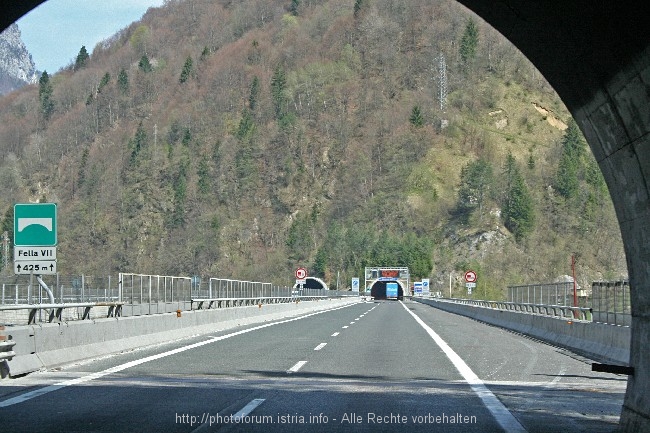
(379, 290)
(313, 283)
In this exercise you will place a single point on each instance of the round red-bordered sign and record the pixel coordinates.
(470, 276)
(301, 273)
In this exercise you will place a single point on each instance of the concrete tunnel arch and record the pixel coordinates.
(314, 283)
(597, 58)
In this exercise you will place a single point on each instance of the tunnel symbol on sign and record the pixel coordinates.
(23, 223)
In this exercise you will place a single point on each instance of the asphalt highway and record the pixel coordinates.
(370, 366)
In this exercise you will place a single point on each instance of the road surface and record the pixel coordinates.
(370, 366)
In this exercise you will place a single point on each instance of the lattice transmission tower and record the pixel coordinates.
(442, 81)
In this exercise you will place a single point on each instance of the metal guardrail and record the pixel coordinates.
(563, 311)
(209, 303)
(56, 310)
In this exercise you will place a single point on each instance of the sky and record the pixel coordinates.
(55, 31)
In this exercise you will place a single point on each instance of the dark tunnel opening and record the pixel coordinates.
(379, 288)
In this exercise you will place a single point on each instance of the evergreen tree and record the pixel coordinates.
(82, 59)
(469, 43)
(517, 212)
(103, 82)
(138, 143)
(45, 91)
(246, 126)
(180, 194)
(358, 7)
(570, 165)
(123, 81)
(531, 161)
(254, 93)
(320, 262)
(82, 167)
(203, 173)
(188, 70)
(416, 118)
(278, 86)
(476, 180)
(295, 4)
(144, 64)
(187, 137)
(204, 54)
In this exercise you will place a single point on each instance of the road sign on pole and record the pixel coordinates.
(301, 273)
(35, 238)
(35, 225)
(470, 276)
(425, 287)
(355, 284)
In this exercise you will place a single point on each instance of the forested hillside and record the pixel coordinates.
(242, 139)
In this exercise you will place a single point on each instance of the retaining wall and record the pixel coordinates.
(599, 341)
(49, 345)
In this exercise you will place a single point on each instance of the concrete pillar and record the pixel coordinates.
(616, 124)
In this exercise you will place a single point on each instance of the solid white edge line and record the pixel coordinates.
(297, 367)
(41, 391)
(320, 346)
(498, 410)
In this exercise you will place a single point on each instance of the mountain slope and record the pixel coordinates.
(241, 139)
(17, 68)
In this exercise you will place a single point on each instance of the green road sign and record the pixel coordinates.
(35, 224)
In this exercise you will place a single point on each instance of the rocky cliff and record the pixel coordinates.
(16, 65)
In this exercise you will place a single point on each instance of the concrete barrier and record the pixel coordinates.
(49, 345)
(601, 342)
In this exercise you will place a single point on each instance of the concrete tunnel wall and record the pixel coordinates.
(597, 58)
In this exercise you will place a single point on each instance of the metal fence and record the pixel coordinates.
(144, 289)
(66, 289)
(563, 311)
(611, 302)
(24, 300)
(226, 288)
(546, 294)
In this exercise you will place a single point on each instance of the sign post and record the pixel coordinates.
(35, 241)
(355, 285)
(301, 275)
(35, 238)
(470, 281)
(425, 287)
